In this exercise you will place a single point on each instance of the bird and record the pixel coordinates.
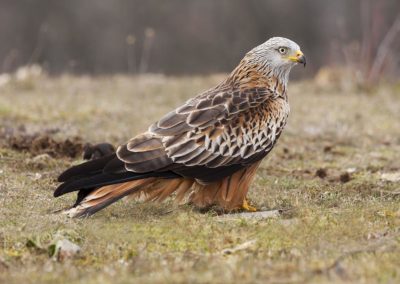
(205, 152)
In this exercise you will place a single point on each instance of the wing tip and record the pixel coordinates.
(62, 177)
(59, 191)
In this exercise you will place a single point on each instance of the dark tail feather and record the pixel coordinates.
(87, 168)
(106, 179)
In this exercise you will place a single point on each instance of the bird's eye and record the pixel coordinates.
(282, 50)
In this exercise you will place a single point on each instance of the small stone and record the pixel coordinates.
(243, 246)
(66, 249)
(351, 170)
(391, 177)
(35, 176)
(259, 215)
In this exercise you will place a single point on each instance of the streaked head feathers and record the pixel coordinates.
(278, 55)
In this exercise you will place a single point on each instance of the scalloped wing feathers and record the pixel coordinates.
(221, 127)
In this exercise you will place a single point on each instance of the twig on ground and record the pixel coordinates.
(240, 247)
(250, 215)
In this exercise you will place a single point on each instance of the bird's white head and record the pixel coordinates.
(277, 55)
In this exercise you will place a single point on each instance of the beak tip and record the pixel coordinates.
(302, 60)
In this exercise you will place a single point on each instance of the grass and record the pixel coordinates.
(340, 225)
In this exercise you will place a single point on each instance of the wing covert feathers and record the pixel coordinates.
(144, 153)
(222, 127)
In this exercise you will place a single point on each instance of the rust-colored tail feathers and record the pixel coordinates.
(153, 189)
(104, 196)
(98, 188)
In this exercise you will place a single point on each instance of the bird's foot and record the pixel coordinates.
(247, 207)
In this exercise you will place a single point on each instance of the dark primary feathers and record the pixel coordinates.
(209, 146)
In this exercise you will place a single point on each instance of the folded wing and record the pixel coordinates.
(209, 137)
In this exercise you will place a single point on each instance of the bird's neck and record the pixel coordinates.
(249, 75)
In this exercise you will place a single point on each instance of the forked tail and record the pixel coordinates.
(104, 196)
(155, 189)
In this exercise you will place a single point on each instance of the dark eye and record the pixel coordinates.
(282, 50)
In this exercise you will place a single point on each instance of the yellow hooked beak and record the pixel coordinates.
(298, 58)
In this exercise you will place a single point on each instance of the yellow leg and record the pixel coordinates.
(247, 207)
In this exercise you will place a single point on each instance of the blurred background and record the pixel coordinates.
(178, 37)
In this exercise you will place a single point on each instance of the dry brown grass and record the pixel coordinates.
(339, 225)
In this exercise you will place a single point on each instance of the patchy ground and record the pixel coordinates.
(334, 177)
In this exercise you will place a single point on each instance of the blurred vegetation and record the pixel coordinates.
(186, 37)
